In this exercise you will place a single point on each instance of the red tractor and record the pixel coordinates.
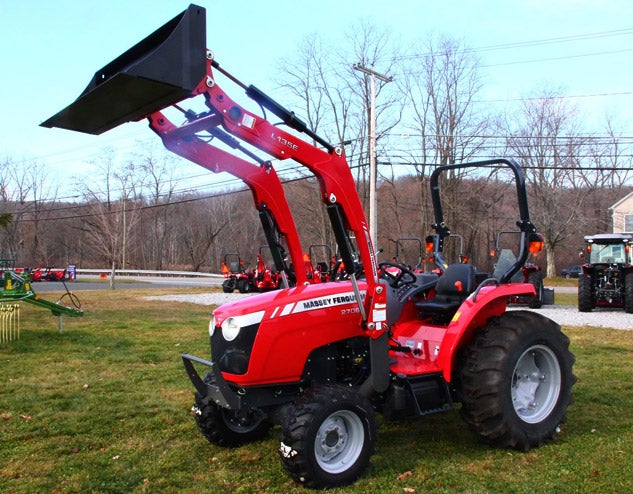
(265, 276)
(320, 264)
(236, 276)
(402, 253)
(320, 360)
(48, 274)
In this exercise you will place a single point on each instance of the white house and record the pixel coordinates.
(623, 215)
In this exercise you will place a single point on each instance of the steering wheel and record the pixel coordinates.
(404, 276)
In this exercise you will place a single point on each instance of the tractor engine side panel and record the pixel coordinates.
(294, 322)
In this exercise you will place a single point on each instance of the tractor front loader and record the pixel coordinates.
(320, 360)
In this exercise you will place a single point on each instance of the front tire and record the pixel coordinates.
(585, 293)
(223, 427)
(517, 380)
(327, 437)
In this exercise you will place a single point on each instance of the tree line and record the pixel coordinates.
(132, 213)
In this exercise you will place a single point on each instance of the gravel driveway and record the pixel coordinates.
(565, 315)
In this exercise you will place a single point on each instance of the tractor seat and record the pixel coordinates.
(456, 283)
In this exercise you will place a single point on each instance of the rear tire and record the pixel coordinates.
(585, 293)
(221, 426)
(628, 293)
(228, 286)
(327, 437)
(243, 286)
(516, 381)
(536, 279)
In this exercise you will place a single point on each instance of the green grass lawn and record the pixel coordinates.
(104, 407)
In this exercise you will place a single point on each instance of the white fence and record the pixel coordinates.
(145, 272)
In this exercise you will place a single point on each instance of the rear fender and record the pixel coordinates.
(474, 313)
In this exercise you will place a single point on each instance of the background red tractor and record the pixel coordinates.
(265, 277)
(237, 276)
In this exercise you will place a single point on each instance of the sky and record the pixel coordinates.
(51, 49)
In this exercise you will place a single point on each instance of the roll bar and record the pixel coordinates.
(527, 229)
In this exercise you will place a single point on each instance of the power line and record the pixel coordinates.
(523, 166)
(294, 168)
(552, 59)
(524, 44)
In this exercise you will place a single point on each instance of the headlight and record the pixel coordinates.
(212, 325)
(230, 329)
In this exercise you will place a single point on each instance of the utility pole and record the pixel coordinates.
(373, 205)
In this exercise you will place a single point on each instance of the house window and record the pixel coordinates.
(628, 222)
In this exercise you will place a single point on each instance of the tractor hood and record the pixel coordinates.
(291, 301)
(248, 336)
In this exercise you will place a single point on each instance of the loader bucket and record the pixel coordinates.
(161, 70)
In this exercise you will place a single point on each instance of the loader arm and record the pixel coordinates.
(268, 193)
(157, 73)
(338, 189)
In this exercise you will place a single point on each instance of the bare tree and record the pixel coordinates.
(310, 217)
(5, 194)
(160, 185)
(336, 98)
(311, 78)
(545, 135)
(28, 194)
(440, 84)
(114, 206)
(372, 48)
(604, 179)
(216, 224)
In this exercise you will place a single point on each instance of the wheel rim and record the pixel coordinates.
(536, 384)
(339, 441)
